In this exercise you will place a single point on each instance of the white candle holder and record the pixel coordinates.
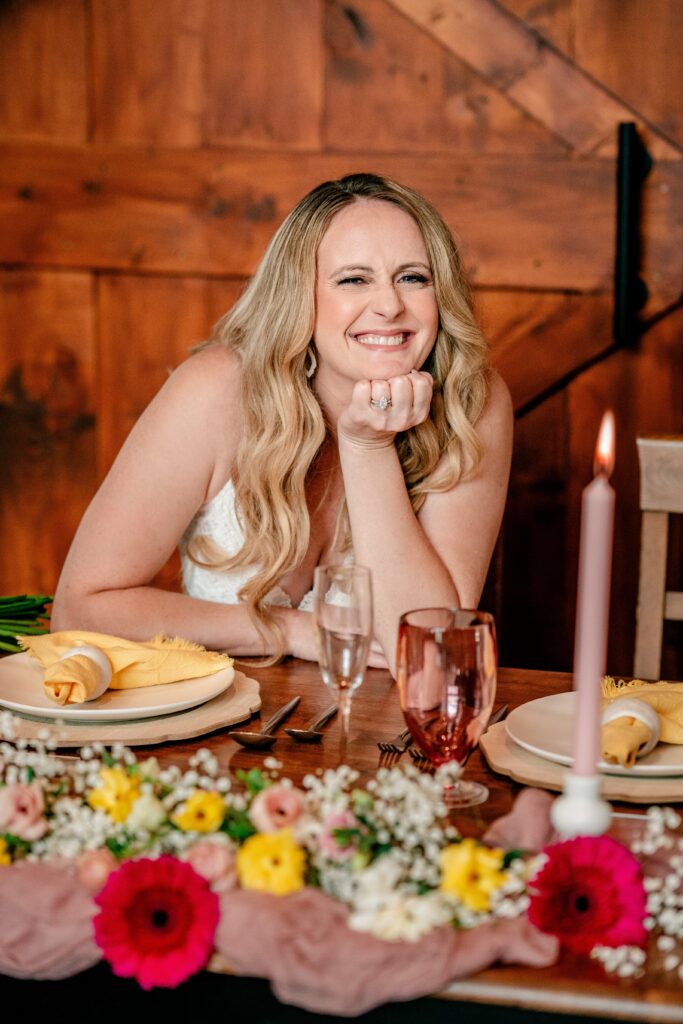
(581, 811)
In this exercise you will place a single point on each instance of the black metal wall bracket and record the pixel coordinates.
(630, 291)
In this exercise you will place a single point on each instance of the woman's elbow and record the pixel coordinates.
(69, 609)
(61, 617)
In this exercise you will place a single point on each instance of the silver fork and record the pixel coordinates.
(398, 745)
(387, 759)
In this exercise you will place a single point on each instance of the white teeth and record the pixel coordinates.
(381, 339)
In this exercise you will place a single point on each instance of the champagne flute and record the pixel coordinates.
(342, 614)
(446, 668)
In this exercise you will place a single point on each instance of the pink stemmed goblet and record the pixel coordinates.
(446, 668)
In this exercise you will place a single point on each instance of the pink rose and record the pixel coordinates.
(276, 807)
(95, 867)
(327, 839)
(215, 862)
(22, 811)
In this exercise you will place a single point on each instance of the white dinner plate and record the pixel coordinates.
(21, 689)
(544, 727)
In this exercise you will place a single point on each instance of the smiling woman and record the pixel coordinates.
(343, 408)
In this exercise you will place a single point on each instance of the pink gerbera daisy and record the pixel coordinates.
(157, 921)
(589, 893)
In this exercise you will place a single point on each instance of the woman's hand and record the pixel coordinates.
(376, 657)
(380, 409)
(300, 641)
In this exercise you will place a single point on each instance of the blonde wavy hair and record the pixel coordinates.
(271, 328)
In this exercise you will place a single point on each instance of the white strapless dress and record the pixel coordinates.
(218, 520)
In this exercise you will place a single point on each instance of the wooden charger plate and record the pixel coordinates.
(503, 755)
(235, 704)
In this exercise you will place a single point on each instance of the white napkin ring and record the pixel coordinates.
(631, 707)
(100, 659)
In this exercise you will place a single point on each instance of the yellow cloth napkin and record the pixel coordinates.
(77, 678)
(74, 680)
(622, 738)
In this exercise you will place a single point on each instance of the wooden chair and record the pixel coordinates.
(661, 493)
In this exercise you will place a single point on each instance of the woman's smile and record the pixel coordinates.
(377, 339)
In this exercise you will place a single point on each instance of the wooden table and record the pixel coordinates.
(573, 987)
(375, 715)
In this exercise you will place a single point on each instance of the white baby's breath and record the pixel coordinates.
(402, 916)
(147, 813)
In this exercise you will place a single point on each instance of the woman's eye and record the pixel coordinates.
(414, 278)
(351, 280)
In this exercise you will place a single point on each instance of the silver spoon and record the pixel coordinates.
(265, 737)
(311, 734)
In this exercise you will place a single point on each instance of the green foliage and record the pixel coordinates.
(119, 845)
(254, 780)
(238, 825)
(22, 615)
(510, 856)
(17, 845)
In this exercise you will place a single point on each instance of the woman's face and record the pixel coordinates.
(376, 313)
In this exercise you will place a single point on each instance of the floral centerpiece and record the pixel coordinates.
(163, 851)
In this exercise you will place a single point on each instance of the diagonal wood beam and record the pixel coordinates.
(544, 83)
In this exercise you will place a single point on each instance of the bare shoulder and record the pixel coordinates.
(494, 429)
(496, 419)
(205, 395)
(193, 422)
(212, 374)
(204, 391)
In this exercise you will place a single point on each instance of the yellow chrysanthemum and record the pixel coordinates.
(116, 795)
(271, 862)
(5, 857)
(472, 873)
(202, 812)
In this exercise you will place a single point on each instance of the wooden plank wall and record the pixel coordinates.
(148, 149)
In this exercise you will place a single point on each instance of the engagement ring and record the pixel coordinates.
(380, 403)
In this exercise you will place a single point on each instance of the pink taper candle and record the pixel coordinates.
(592, 609)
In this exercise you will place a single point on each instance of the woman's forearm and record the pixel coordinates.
(406, 570)
(139, 613)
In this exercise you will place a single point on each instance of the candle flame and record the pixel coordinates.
(603, 461)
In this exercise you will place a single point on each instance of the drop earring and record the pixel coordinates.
(311, 363)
